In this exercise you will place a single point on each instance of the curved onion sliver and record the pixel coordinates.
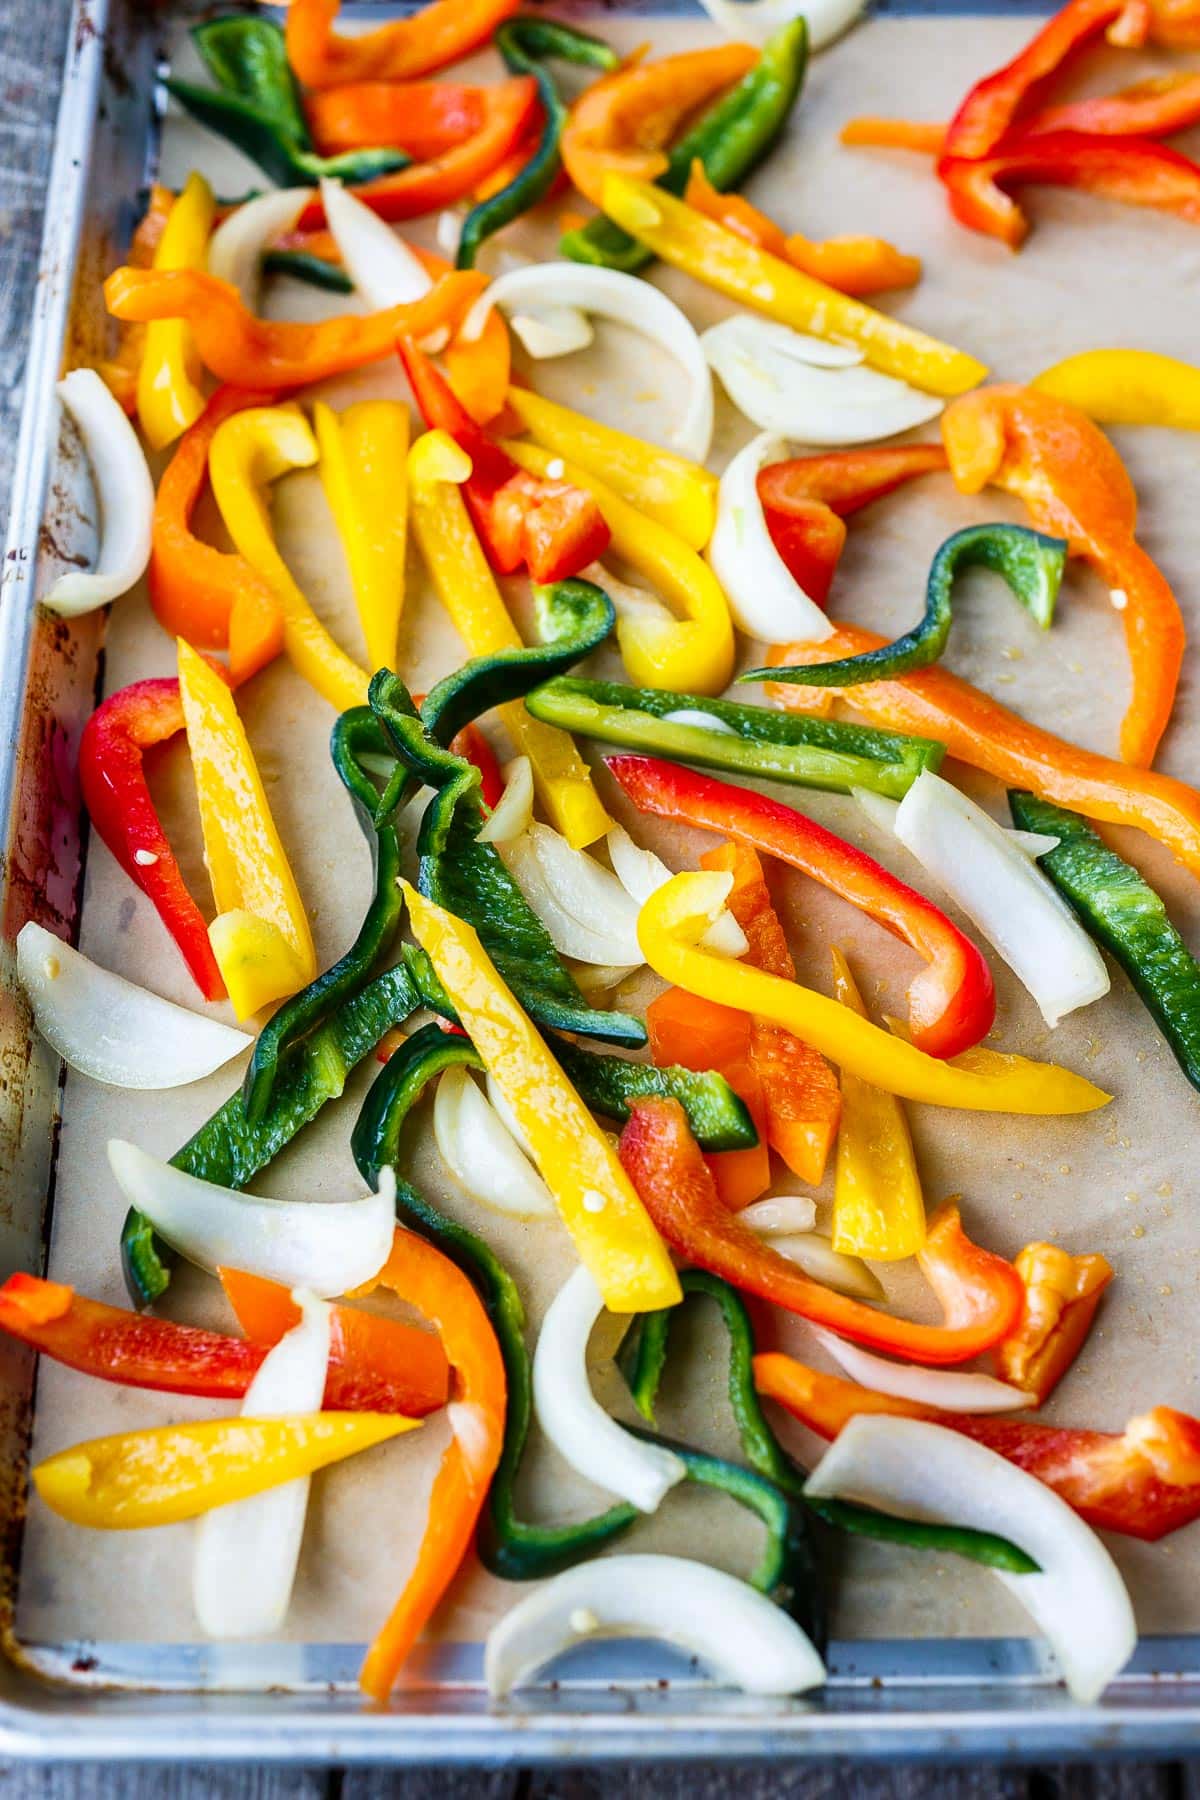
(112, 1030)
(481, 1153)
(783, 1215)
(584, 907)
(754, 21)
(954, 1390)
(641, 873)
(235, 250)
(764, 598)
(750, 1643)
(124, 495)
(512, 812)
(924, 1471)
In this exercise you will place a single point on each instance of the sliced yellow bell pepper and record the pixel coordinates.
(248, 452)
(174, 1472)
(169, 398)
(678, 493)
(675, 918)
(611, 1228)
(693, 654)
(364, 453)
(467, 588)
(878, 1207)
(723, 260)
(261, 937)
(1127, 387)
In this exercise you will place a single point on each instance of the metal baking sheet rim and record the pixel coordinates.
(928, 1700)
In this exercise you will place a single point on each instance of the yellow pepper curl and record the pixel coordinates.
(1127, 387)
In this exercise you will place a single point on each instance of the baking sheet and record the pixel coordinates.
(1117, 1181)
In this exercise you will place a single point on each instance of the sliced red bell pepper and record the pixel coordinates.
(115, 792)
(423, 118)
(552, 528)
(994, 103)
(424, 187)
(806, 499)
(1154, 108)
(952, 1003)
(980, 1294)
(1143, 1482)
(1134, 170)
(428, 39)
(1075, 486)
(375, 1364)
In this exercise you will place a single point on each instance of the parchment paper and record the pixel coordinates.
(1118, 1181)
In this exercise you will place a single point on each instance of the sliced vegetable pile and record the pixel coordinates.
(508, 906)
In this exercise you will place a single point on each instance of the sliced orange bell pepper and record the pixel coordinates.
(853, 265)
(1144, 1482)
(248, 351)
(978, 730)
(1062, 1293)
(424, 187)
(438, 34)
(439, 1290)
(120, 371)
(213, 598)
(800, 1098)
(424, 118)
(623, 124)
(981, 1295)
(700, 1034)
(1075, 486)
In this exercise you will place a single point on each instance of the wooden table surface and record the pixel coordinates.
(32, 43)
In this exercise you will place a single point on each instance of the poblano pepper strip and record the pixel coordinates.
(1123, 913)
(526, 44)
(1031, 564)
(356, 733)
(759, 741)
(644, 1360)
(719, 1118)
(229, 1150)
(256, 105)
(730, 139)
(509, 1547)
(302, 265)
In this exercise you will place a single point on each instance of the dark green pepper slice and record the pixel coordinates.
(526, 44)
(302, 265)
(759, 741)
(256, 105)
(509, 1547)
(1031, 564)
(229, 1150)
(730, 139)
(719, 1118)
(1123, 913)
(643, 1360)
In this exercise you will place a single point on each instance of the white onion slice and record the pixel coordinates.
(584, 1435)
(481, 1153)
(112, 1030)
(629, 602)
(244, 1563)
(512, 812)
(1004, 894)
(954, 1390)
(818, 1258)
(764, 598)
(124, 496)
(380, 264)
(703, 721)
(235, 250)
(923, 1471)
(627, 300)
(882, 812)
(748, 1642)
(776, 378)
(328, 1246)
(600, 978)
(754, 21)
(584, 907)
(551, 331)
(641, 873)
(784, 1215)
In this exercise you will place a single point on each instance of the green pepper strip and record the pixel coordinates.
(510, 1547)
(757, 740)
(1122, 911)
(1030, 563)
(356, 733)
(524, 44)
(229, 1150)
(731, 139)
(256, 106)
(302, 265)
(643, 1361)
